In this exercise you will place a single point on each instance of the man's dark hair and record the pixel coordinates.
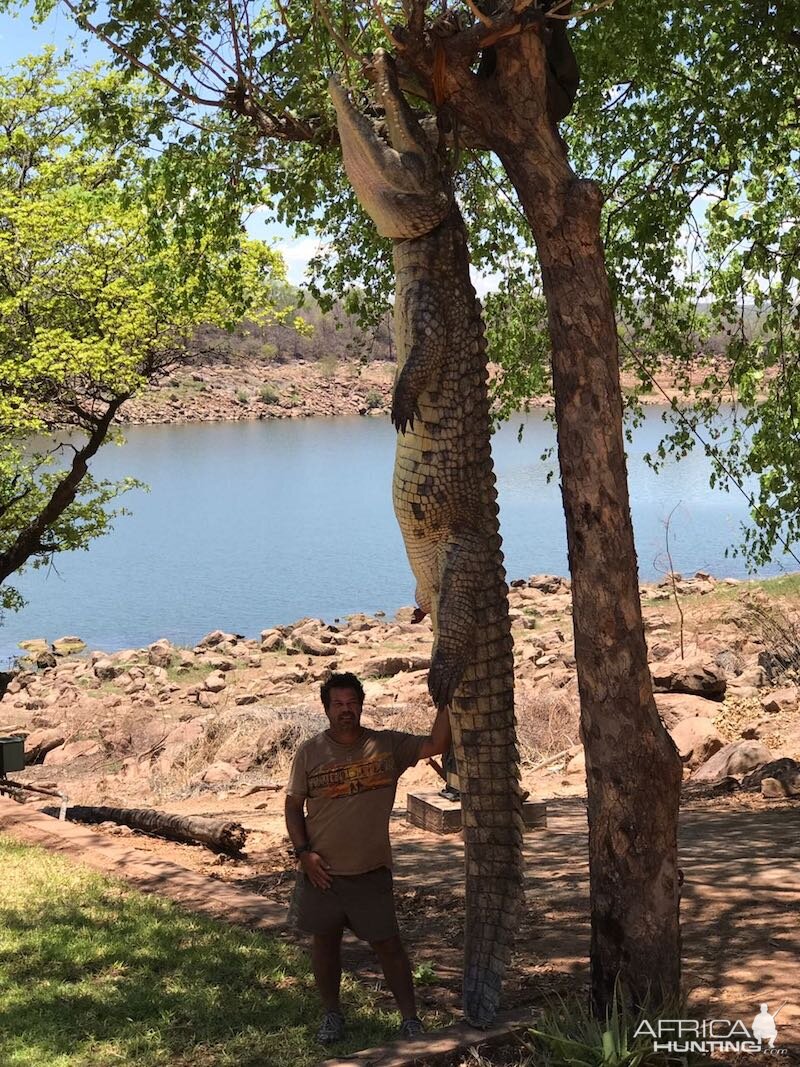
(345, 680)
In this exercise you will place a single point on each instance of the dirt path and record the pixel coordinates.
(741, 899)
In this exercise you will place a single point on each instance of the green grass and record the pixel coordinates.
(787, 585)
(94, 974)
(187, 675)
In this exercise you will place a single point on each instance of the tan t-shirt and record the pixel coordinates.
(349, 791)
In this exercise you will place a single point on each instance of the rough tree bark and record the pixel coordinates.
(218, 834)
(633, 770)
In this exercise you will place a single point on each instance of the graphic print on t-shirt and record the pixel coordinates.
(345, 779)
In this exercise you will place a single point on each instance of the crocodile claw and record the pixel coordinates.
(443, 680)
(402, 418)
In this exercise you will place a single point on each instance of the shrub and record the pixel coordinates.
(242, 396)
(374, 400)
(268, 394)
(328, 365)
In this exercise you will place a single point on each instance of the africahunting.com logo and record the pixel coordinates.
(714, 1035)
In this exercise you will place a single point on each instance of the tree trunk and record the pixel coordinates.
(632, 767)
(633, 770)
(221, 836)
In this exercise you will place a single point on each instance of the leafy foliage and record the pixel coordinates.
(103, 283)
(687, 116)
(689, 119)
(570, 1035)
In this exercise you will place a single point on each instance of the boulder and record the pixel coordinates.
(389, 666)
(548, 583)
(697, 739)
(218, 637)
(215, 682)
(700, 679)
(781, 700)
(34, 645)
(68, 646)
(39, 742)
(674, 707)
(730, 661)
(161, 654)
(313, 646)
(182, 737)
(115, 733)
(757, 729)
(773, 789)
(736, 759)
(577, 764)
(106, 671)
(753, 676)
(219, 773)
(70, 752)
(785, 772)
(126, 657)
(214, 662)
(271, 641)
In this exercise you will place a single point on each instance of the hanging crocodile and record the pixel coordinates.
(446, 504)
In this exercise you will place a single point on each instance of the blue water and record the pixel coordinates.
(248, 525)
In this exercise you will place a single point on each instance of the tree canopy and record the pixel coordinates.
(689, 118)
(687, 115)
(103, 285)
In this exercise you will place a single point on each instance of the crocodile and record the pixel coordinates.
(446, 502)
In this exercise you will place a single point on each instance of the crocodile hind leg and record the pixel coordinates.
(454, 618)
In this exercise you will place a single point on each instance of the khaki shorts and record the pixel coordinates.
(361, 902)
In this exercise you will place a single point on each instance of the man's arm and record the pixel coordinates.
(312, 863)
(439, 740)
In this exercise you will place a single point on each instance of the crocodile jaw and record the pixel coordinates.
(398, 184)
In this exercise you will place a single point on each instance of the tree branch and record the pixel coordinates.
(29, 541)
(123, 53)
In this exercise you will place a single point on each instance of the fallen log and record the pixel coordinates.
(706, 790)
(216, 834)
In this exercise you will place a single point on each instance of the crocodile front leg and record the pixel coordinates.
(421, 318)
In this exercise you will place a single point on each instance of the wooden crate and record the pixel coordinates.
(430, 811)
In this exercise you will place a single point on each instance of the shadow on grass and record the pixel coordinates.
(92, 973)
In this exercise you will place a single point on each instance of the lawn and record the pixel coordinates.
(94, 974)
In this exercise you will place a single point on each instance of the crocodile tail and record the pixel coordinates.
(484, 741)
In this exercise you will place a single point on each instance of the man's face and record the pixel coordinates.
(344, 709)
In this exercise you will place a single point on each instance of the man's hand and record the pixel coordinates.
(317, 870)
(439, 740)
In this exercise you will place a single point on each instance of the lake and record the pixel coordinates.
(254, 524)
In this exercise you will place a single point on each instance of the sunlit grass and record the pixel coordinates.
(94, 974)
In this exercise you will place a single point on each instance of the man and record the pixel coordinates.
(347, 777)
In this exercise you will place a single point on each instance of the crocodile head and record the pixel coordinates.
(399, 183)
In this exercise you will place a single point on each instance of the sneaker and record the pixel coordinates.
(331, 1028)
(410, 1028)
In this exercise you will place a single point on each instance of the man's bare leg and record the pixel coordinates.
(397, 969)
(326, 960)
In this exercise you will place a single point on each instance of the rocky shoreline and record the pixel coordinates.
(249, 389)
(163, 721)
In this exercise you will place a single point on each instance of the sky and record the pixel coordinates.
(19, 37)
